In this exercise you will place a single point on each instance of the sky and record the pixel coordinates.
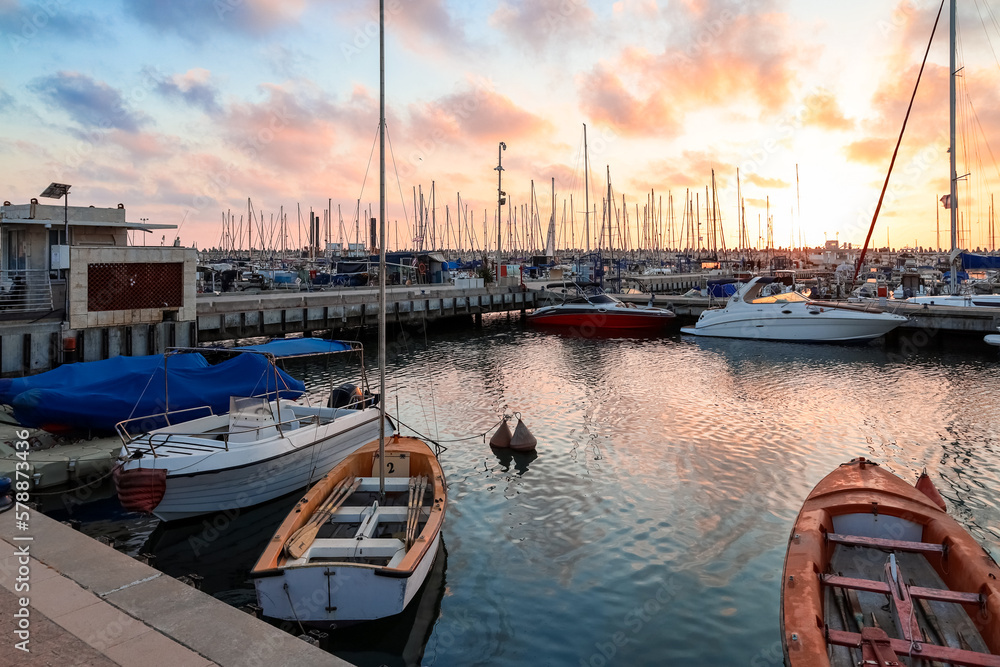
(185, 110)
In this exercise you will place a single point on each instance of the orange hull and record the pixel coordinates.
(861, 494)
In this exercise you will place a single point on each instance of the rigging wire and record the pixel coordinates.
(895, 151)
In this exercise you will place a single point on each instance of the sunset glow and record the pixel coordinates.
(183, 110)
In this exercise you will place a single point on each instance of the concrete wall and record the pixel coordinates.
(82, 257)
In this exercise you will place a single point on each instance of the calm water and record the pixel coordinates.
(650, 528)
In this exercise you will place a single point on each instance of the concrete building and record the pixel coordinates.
(73, 266)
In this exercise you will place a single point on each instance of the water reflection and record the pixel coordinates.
(520, 460)
(658, 505)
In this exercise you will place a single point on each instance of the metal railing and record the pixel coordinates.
(25, 290)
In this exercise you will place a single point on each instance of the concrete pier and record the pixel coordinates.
(32, 347)
(83, 603)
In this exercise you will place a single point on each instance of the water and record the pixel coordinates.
(650, 528)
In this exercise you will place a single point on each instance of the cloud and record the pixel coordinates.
(194, 87)
(764, 182)
(537, 23)
(715, 57)
(875, 151)
(198, 20)
(822, 110)
(21, 23)
(477, 113)
(91, 103)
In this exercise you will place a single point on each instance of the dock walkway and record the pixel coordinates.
(88, 604)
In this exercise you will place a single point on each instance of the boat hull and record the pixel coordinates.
(837, 328)
(594, 321)
(252, 475)
(341, 592)
(356, 576)
(862, 499)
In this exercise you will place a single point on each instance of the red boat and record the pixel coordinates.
(877, 573)
(591, 311)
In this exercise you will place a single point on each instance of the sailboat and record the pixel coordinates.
(361, 542)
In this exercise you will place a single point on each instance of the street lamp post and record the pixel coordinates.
(55, 191)
(501, 198)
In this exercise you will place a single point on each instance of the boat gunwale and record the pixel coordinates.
(273, 562)
(808, 552)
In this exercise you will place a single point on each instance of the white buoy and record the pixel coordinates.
(522, 440)
(501, 439)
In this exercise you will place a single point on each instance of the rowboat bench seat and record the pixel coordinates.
(881, 543)
(350, 547)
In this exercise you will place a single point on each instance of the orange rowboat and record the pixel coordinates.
(877, 573)
(347, 554)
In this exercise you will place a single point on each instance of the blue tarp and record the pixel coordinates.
(287, 347)
(94, 371)
(973, 261)
(96, 403)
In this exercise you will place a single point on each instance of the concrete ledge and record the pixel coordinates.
(132, 613)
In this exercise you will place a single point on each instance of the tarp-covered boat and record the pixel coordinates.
(94, 396)
(255, 449)
(877, 573)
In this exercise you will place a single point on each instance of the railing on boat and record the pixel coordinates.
(144, 441)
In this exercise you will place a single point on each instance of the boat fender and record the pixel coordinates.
(6, 502)
(501, 439)
(522, 440)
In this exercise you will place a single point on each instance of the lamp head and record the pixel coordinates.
(503, 145)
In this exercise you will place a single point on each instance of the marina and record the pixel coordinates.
(763, 453)
(657, 505)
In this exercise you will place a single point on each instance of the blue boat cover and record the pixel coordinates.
(96, 404)
(287, 347)
(974, 261)
(93, 371)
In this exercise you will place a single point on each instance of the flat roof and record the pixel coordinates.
(77, 216)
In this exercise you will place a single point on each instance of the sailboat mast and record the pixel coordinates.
(586, 190)
(953, 197)
(381, 249)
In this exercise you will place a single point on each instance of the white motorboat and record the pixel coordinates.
(759, 310)
(960, 300)
(263, 448)
(992, 339)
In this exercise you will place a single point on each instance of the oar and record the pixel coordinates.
(413, 518)
(303, 538)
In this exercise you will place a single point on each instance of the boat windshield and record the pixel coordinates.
(784, 297)
(601, 298)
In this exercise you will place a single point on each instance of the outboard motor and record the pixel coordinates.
(347, 396)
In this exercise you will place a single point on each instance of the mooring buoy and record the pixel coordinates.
(501, 439)
(522, 440)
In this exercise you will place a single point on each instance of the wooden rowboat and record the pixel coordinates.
(344, 553)
(877, 573)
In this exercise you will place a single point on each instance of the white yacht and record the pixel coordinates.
(760, 310)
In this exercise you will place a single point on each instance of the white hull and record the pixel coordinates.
(753, 313)
(962, 300)
(340, 592)
(811, 328)
(250, 473)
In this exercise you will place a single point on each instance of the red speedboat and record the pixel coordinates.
(591, 311)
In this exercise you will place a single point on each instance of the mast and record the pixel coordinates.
(586, 190)
(953, 194)
(381, 249)
(611, 247)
